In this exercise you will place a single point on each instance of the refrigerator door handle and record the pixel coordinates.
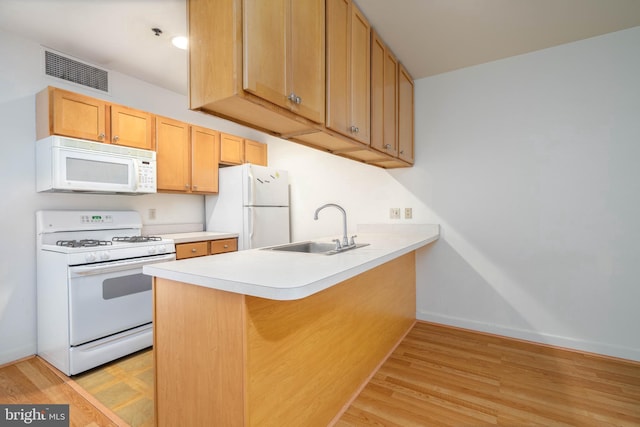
(250, 188)
(251, 222)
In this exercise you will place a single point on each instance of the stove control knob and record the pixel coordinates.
(152, 250)
(90, 257)
(105, 255)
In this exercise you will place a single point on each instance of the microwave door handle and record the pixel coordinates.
(136, 171)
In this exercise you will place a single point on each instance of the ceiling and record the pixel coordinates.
(428, 36)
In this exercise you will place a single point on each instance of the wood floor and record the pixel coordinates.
(438, 376)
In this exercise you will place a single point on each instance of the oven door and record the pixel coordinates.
(108, 298)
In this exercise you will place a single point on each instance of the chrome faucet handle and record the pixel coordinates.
(337, 241)
(352, 241)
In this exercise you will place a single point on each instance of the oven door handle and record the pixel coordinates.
(108, 267)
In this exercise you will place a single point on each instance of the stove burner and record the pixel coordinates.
(82, 243)
(136, 239)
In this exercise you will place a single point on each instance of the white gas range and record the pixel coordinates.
(94, 303)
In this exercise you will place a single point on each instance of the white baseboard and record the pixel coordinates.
(529, 335)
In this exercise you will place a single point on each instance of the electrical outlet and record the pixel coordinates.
(394, 213)
(152, 213)
(408, 213)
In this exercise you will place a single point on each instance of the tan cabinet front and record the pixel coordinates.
(231, 149)
(384, 97)
(172, 155)
(255, 152)
(223, 245)
(205, 155)
(348, 70)
(284, 54)
(192, 250)
(405, 116)
(131, 128)
(59, 112)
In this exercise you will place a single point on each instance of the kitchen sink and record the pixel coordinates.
(321, 248)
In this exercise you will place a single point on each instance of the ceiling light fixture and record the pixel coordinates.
(181, 42)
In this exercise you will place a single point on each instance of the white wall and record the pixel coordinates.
(316, 177)
(531, 165)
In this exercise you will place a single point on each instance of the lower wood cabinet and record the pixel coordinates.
(209, 247)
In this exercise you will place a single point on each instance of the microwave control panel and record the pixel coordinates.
(146, 176)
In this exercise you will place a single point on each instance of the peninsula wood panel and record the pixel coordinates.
(198, 355)
(307, 357)
(258, 362)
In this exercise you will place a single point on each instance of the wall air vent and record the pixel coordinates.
(72, 70)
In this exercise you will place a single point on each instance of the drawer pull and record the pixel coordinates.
(226, 246)
(194, 250)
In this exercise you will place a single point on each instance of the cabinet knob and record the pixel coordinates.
(401, 151)
(226, 246)
(354, 129)
(116, 138)
(186, 186)
(194, 250)
(387, 146)
(195, 187)
(294, 98)
(101, 136)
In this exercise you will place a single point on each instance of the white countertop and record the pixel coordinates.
(281, 275)
(198, 236)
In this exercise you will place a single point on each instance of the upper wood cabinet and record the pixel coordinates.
(384, 97)
(283, 52)
(348, 70)
(231, 149)
(298, 69)
(220, 66)
(172, 155)
(255, 152)
(187, 157)
(406, 114)
(205, 157)
(60, 112)
(235, 150)
(132, 128)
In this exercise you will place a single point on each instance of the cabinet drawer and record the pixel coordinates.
(191, 250)
(223, 245)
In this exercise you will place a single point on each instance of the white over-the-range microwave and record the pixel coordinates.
(74, 165)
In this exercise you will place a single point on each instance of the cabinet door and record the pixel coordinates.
(307, 58)
(360, 76)
(132, 128)
(223, 245)
(338, 17)
(76, 115)
(255, 152)
(205, 155)
(172, 155)
(348, 68)
(265, 49)
(192, 250)
(405, 115)
(384, 100)
(231, 149)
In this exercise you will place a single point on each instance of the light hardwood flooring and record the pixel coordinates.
(437, 376)
(441, 376)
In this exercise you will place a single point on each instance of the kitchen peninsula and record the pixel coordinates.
(263, 337)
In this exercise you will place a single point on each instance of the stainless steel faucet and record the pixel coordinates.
(345, 239)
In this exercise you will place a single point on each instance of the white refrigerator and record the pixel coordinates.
(252, 201)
